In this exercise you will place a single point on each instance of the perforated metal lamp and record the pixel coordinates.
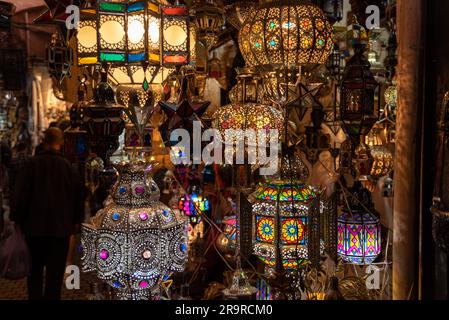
(287, 34)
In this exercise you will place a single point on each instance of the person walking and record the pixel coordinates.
(47, 205)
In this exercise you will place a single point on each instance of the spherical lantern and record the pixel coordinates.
(286, 33)
(282, 229)
(249, 116)
(359, 237)
(135, 242)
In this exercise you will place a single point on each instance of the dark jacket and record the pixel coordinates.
(47, 199)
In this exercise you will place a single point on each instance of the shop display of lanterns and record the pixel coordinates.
(359, 237)
(286, 33)
(283, 232)
(134, 33)
(136, 242)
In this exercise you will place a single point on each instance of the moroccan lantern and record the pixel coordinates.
(359, 230)
(286, 33)
(59, 58)
(248, 88)
(278, 37)
(285, 233)
(383, 161)
(248, 116)
(358, 110)
(136, 242)
(209, 19)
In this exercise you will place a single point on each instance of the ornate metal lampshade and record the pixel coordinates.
(358, 110)
(248, 88)
(285, 34)
(135, 242)
(209, 19)
(59, 58)
(248, 116)
(283, 235)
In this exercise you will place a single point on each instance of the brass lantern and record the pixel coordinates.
(286, 33)
(209, 19)
(248, 88)
(358, 110)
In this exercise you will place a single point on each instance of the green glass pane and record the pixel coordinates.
(112, 57)
(112, 6)
(145, 85)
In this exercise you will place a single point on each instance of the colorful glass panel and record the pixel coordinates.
(265, 229)
(293, 231)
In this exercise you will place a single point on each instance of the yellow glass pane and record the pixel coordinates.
(87, 60)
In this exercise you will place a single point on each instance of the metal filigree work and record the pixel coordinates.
(286, 33)
(135, 242)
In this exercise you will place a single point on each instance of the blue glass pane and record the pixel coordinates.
(134, 57)
(133, 7)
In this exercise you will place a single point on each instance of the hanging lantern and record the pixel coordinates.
(136, 242)
(391, 99)
(175, 34)
(249, 116)
(103, 120)
(359, 237)
(194, 204)
(237, 12)
(334, 62)
(280, 36)
(358, 110)
(209, 19)
(359, 230)
(59, 58)
(248, 88)
(286, 33)
(283, 233)
(135, 33)
(383, 161)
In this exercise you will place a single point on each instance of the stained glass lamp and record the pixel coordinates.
(359, 237)
(282, 225)
(123, 33)
(59, 58)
